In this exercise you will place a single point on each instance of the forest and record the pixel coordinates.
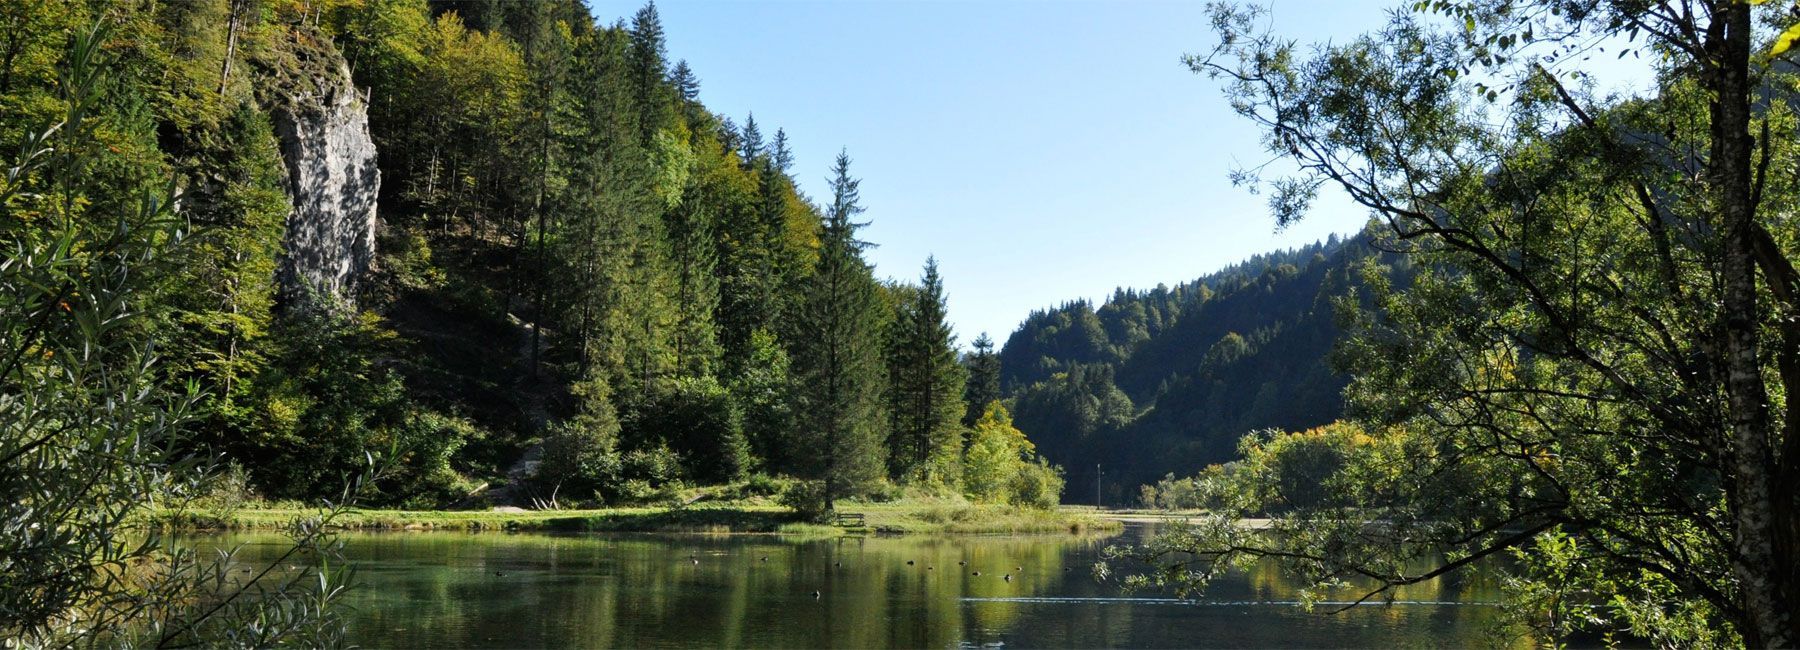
(448, 255)
(1187, 370)
(580, 285)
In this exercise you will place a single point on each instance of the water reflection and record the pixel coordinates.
(500, 590)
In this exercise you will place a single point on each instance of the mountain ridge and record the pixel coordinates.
(1166, 380)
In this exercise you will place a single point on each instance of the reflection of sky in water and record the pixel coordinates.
(503, 590)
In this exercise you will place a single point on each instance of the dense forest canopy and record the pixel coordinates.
(557, 277)
(1186, 370)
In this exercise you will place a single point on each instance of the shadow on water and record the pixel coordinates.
(620, 590)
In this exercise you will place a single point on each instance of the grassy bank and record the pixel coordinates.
(953, 517)
(900, 517)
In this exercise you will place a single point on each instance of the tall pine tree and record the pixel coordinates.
(649, 62)
(753, 143)
(983, 386)
(783, 157)
(837, 356)
(693, 258)
(926, 388)
(687, 86)
(613, 248)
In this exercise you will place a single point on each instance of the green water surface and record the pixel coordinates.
(489, 590)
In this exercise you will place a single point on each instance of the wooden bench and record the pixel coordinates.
(851, 520)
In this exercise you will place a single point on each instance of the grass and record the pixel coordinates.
(954, 516)
(904, 517)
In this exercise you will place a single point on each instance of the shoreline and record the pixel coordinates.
(901, 518)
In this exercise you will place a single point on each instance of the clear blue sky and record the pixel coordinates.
(1043, 151)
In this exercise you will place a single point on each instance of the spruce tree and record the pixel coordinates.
(687, 94)
(926, 388)
(837, 358)
(548, 54)
(648, 60)
(785, 264)
(614, 246)
(746, 298)
(752, 148)
(983, 386)
(687, 86)
(729, 138)
(756, 268)
(694, 258)
(778, 150)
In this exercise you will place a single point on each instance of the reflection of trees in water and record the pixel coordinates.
(1043, 568)
(1268, 582)
(433, 589)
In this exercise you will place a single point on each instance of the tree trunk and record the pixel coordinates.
(543, 269)
(1750, 456)
(231, 35)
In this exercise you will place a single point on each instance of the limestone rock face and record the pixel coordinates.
(332, 180)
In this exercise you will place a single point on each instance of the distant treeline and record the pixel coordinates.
(1169, 379)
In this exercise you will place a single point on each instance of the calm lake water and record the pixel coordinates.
(489, 590)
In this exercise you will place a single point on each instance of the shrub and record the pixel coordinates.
(697, 418)
(1038, 484)
(580, 454)
(325, 402)
(1001, 466)
(421, 453)
(229, 490)
(1172, 493)
(763, 485)
(807, 498)
(638, 491)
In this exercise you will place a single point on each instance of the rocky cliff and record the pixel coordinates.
(332, 183)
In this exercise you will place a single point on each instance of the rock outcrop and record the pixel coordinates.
(333, 181)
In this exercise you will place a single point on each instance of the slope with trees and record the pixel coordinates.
(587, 287)
(1594, 371)
(1167, 380)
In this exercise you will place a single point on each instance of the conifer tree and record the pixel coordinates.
(746, 297)
(649, 56)
(984, 378)
(694, 257)
(837, 358)
(785, 265)
(760, 388)
(699, 232)
(752, 148)
(729, 139)
(614, 247)
(925, 388)
(547, 53)
(745, 294)
(783, 157)
(687, 86)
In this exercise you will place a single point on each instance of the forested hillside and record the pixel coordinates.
(321, 255)
(1167, 380)
(502, 248)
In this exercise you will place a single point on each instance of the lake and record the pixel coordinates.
(493, 590)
